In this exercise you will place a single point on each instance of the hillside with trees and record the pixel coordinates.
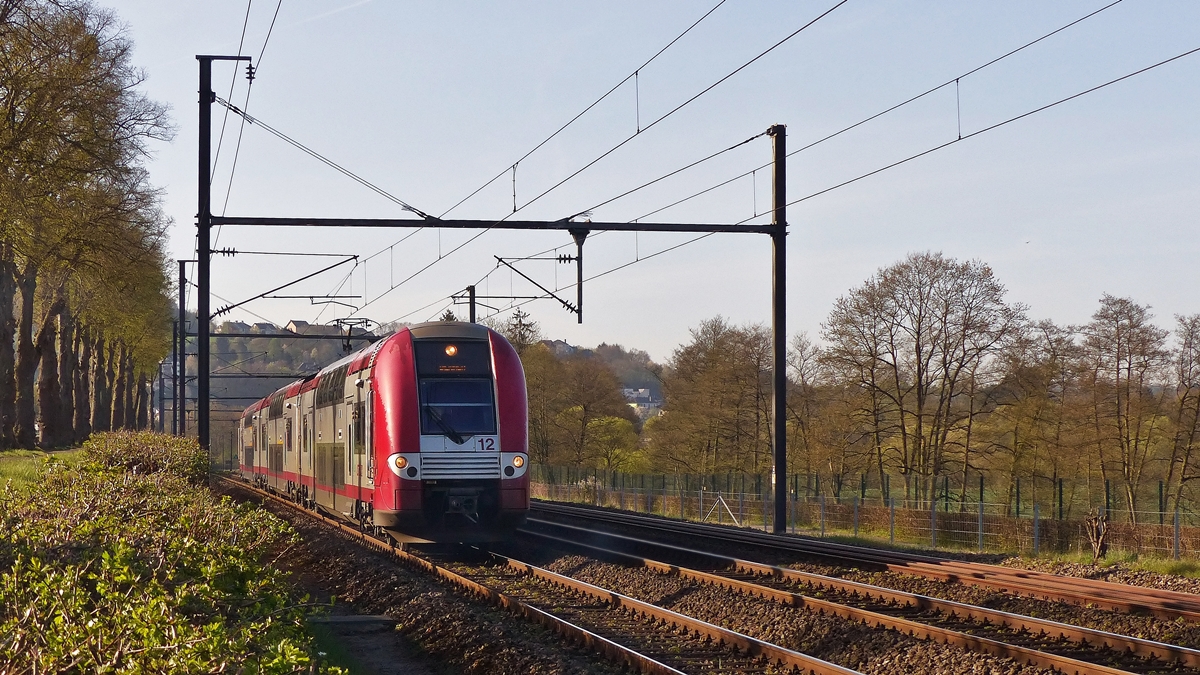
(84, 309)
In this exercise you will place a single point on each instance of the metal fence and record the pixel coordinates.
(747, 500)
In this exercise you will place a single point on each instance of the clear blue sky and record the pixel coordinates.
(431, 99)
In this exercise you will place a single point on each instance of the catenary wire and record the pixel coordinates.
(608, 152)
(891, 108)
(679, 107)
(900, 162)
(232, 82)
(584, 111)
(991, 127)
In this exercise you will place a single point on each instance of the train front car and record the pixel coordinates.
(450, 434)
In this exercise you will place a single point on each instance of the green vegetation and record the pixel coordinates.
(23, 466)
(125, 562)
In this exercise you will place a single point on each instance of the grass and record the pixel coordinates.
(1185, 567)
(21, 466)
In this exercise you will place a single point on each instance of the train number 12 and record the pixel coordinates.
(485, 444)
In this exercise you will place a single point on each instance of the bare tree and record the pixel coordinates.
(1126, 354)
(915, 334)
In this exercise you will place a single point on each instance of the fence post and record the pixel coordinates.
(766, 523)
(887, 487)
(1036, 532)
(795, 495)
(1162, 505)
(933, 522)
(680, 489)
(701, 493)
(856, 501)
(892, 520)
(862, 490)
(822, 516)
(981, 517)
(621, 474)
(1175, 547)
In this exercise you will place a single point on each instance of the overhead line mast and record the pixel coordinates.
(204, 232)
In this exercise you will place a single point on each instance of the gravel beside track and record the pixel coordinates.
(847, 643)
(456, 633)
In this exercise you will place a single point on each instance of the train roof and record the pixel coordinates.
(362, 358)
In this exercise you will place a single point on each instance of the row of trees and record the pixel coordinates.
(577, 413)
(925, 373)
(84, 308)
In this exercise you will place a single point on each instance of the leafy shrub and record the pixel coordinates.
(147, 452)
(111, 571)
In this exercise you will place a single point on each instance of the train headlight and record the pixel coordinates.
(401, 462)
(518, 461)
(451, 350)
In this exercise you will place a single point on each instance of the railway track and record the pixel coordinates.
(1028, 640)
(1163, 604)
(639, 635)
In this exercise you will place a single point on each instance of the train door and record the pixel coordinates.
(358, 444)
(289, 457)
(324, 460)
(305, 465)
(340, 451)
(260, 454)
(247, 432)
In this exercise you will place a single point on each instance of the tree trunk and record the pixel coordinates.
(130, 393)
(83, 385)
(143, 402)
(101, 392)
(66, 376)
(49, 390)
(8, 380)
(27, 362)
(117, 378)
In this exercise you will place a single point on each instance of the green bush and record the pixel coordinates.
(143, 452)
(107, 571)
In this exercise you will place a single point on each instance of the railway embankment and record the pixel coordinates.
(124, 561)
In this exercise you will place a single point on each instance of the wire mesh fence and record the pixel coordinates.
(746, 500)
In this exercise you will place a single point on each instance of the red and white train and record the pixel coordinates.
(423, 433)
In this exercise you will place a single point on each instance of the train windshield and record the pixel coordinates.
(455, 387)
(458, 407)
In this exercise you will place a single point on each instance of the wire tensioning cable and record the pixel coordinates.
(254, 121)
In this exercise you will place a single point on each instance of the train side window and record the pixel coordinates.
(287, 436)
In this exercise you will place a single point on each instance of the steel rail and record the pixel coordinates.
(1015, 622)
(741, 641)
(607, 648)
(1103, 594)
